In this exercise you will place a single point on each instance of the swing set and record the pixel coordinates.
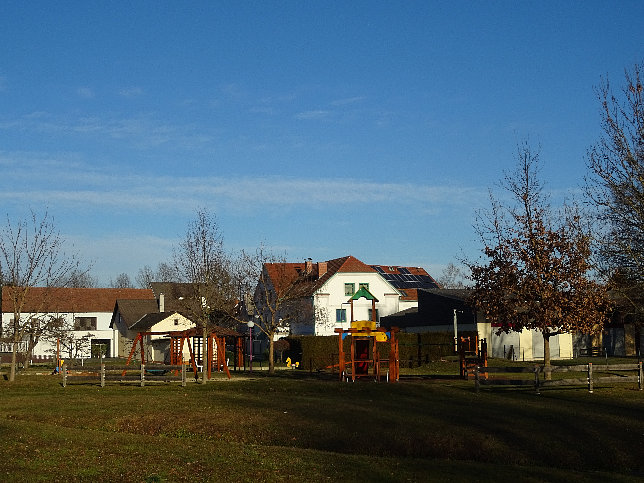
(192, 338)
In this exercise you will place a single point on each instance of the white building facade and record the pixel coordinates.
(82, 319)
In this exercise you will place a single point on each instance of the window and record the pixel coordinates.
(371, 315)
(176, 321)
(364, 285)
(349, 289)
(340, 315)
(84, 323)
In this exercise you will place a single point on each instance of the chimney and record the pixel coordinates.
(308, 266)
(161, 302)
(322, 267)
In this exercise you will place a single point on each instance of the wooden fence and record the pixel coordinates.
(128, 374)
(618, 374)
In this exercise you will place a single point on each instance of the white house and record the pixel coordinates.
(83, 314)
(332, 283)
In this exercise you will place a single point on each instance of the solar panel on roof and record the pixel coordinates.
(402, 278)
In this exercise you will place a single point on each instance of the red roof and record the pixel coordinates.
(283, 274)
(66, 300)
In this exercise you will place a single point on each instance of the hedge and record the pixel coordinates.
(321, 352)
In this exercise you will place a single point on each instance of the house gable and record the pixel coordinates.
(163, 322)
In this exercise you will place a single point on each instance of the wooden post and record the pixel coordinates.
(210, 356)
(476, 378)
(183, 374)
(639, 376)
(394, 356)
(64, 374)
(353, 359)
(536, 379)
(142, 350)
(590, 377)
(142, 375)
(221, 355)
(102, 374)
(339, 331)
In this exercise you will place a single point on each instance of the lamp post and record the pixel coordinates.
(250, 325)
(456, 330)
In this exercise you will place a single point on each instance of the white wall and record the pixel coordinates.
(45, 348)
(528, 345)
(331, 297)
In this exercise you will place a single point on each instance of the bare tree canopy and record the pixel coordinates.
(122, 281)
(535, 270)
(81, 279)
(201, 261)
(453, 277)
(616, 187)
(31, 254)
(164, 273)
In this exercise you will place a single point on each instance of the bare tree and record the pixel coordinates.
(81, 279)
(282, 296)
(616, 187)
(536, 270)
(122, 281)
(164, 273)
(31, 252)
(452, 277)
(201, 261)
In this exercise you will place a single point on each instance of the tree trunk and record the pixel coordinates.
(14, 352)
(546, 355)
(204, 356)
(271, 356)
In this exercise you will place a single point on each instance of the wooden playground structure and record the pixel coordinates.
(193, 339)
(472, 353)
(366, 339)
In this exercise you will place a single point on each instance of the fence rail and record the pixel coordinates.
(482, 375)
(140, 374)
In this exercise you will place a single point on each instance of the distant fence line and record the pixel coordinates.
(482, 375)
(124, 374)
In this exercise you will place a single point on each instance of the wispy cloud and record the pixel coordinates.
(347, 101)
(67, 181)
(143, 131)
(313, 115)
(85, 93)
(131, 92)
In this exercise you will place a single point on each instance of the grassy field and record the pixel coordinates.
(292, 427)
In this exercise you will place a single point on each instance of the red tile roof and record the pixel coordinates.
(409, 293)
(67, 300)
(283, 274)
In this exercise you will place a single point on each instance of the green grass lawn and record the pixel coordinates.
(293, 427)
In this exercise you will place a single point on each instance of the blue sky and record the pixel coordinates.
(319, 128)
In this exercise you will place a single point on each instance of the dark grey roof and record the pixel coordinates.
(405, 318)
(454, 293)
(172, 292)
(149, 320)
(133, 310)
